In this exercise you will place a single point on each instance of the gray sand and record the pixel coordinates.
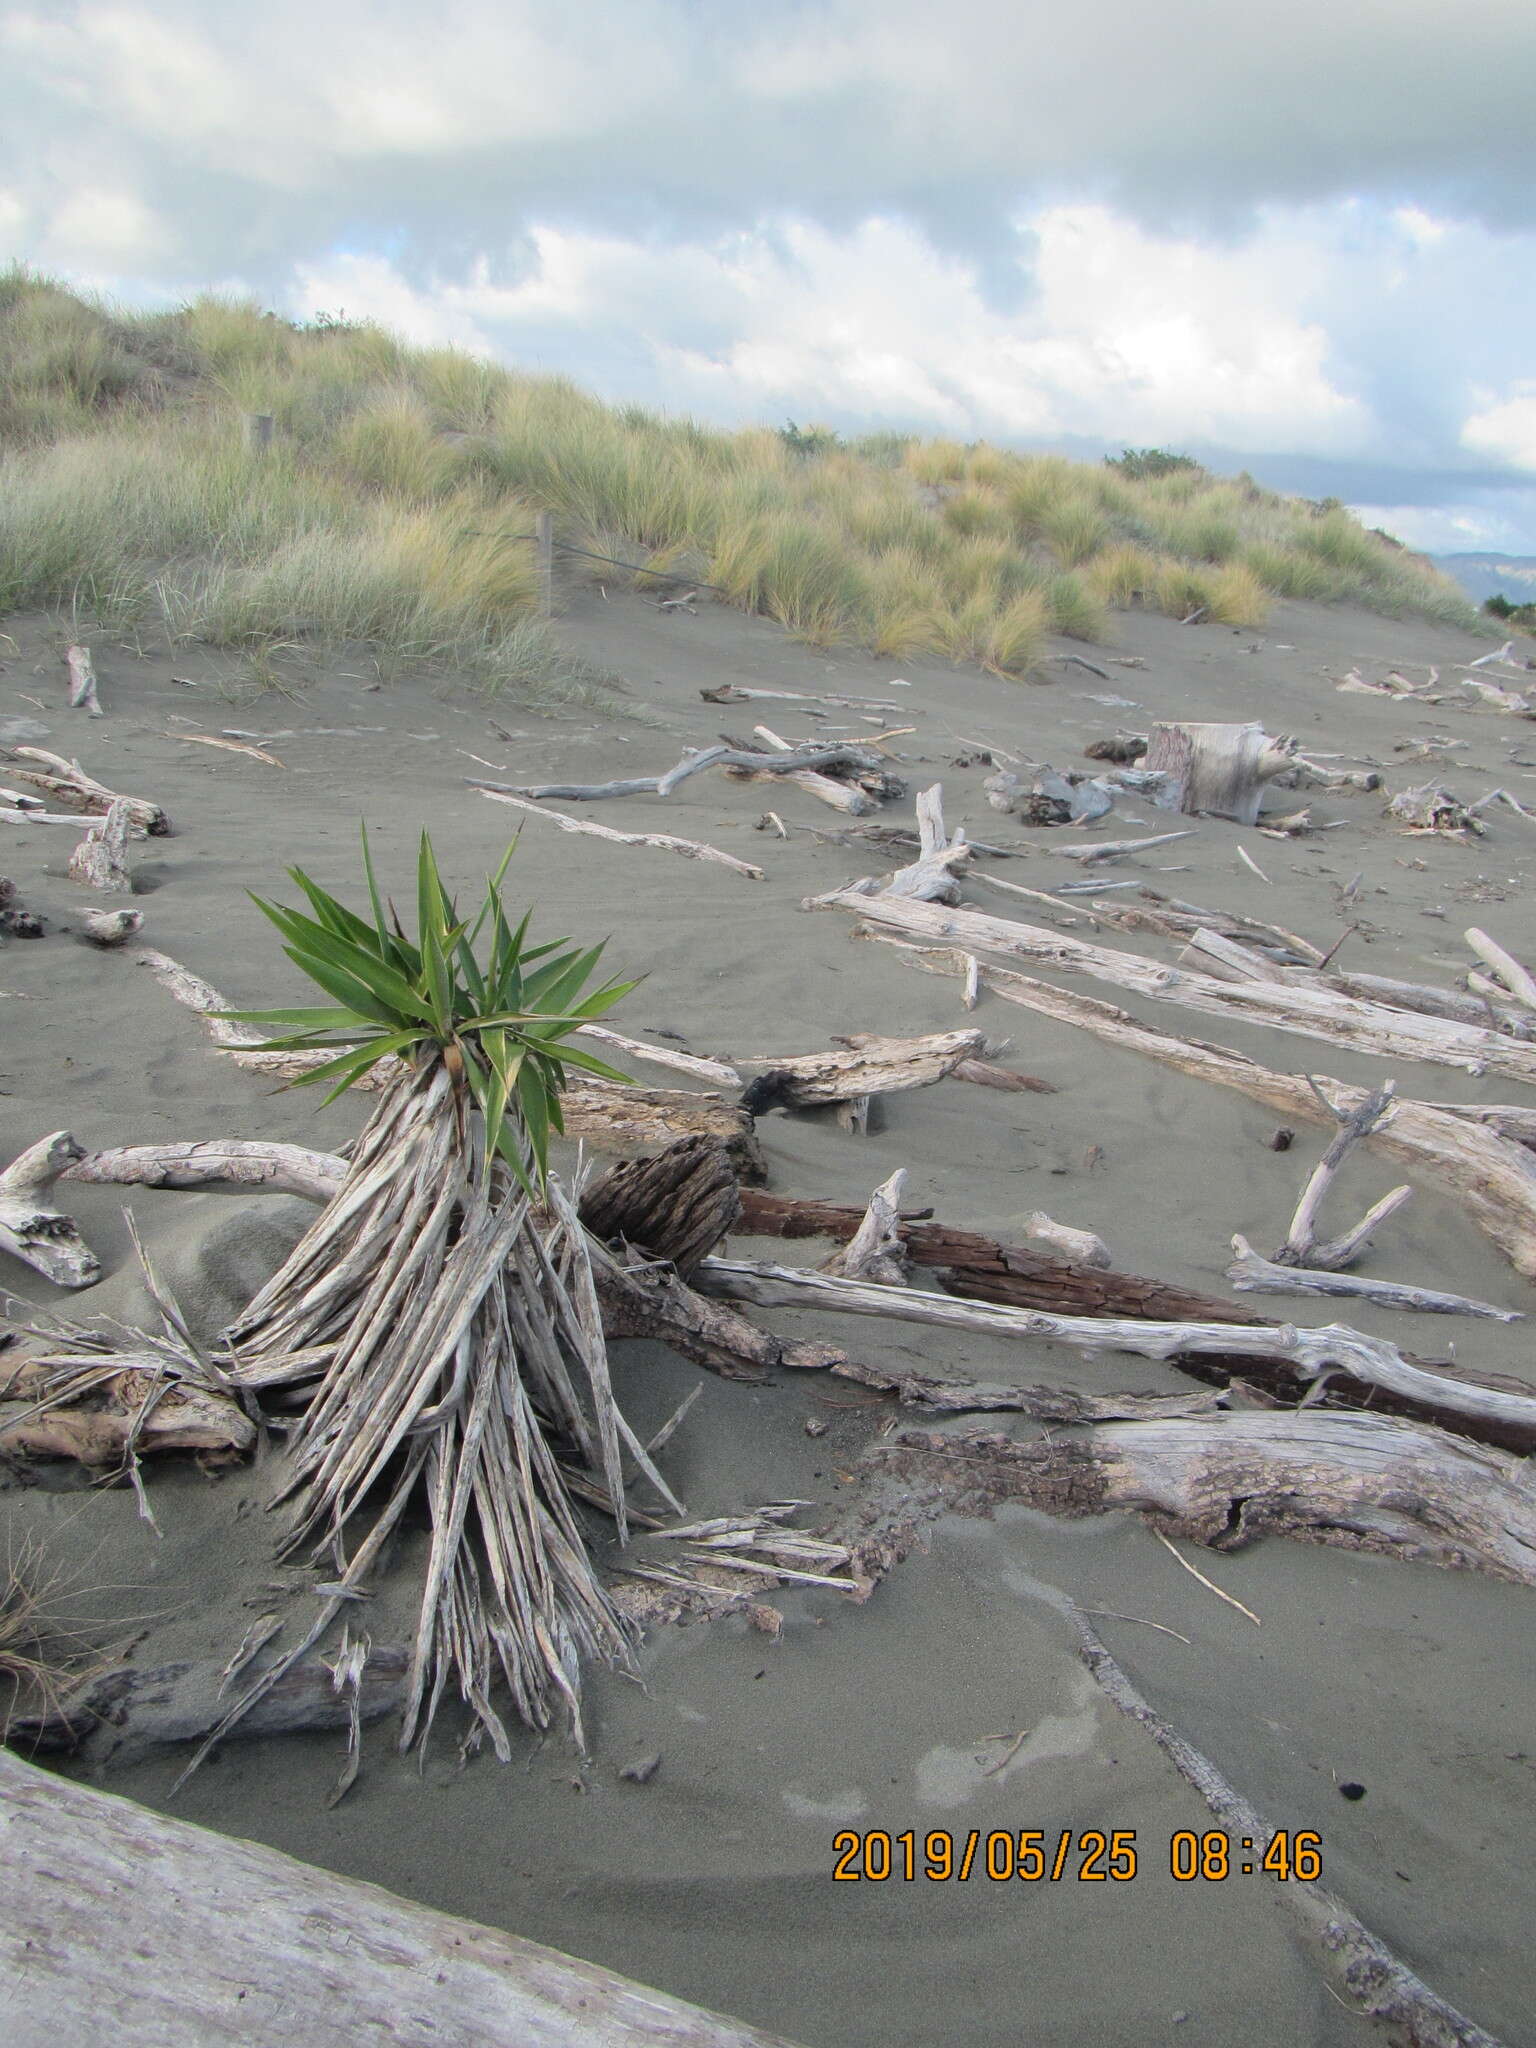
(714, 1878)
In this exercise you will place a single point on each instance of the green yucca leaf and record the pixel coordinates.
(477, 988)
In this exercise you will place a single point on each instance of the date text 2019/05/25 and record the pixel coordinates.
(1068, 1855)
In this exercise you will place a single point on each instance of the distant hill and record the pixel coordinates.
(1483, 576)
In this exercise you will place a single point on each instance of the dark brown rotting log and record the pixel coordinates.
(675, 1205)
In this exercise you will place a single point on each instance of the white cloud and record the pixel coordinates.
(1126, 333)
(1506, 431)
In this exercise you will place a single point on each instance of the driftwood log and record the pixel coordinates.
(1493, 1177)
(1219, 769)
(1308, 1012)
(107, 1409)
(750, 760)
(1359, 1481)
(67, 783)
(31, 1228)
(123, 1925)
(676, 1205)
(100, 861)
(871, 1066)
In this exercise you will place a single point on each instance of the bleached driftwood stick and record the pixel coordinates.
(1251, 1273)
(82, 681)
(970, 995)
(664, 842)
(875, 1251)
(1312, 1354)
(1302, 1246)
(242, 1163)
(1217, 768)
(1492, 1176)
(227, 1943)
(1220, 954)
(838, 754)
(42, 1236)
(717, 1071)
(1356, 1962)
(66, 782)
(1508, 969)
(100, 861)
(872, 1066)
(1077, 1247)
(1309, 1013)
(1117, 849)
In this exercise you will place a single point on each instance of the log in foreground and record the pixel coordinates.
(1361, 1482)
(1316, 1013)
(1492, 1177)
(125, 1926)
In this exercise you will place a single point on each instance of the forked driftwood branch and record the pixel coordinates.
(1302, 1245)
(31, 1228)
(1251, 1273)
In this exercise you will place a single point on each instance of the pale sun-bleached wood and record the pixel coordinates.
(1492, 1176)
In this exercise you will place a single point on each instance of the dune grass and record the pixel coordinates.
(394, 504)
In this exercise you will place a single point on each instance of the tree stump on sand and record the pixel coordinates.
(1220, 769)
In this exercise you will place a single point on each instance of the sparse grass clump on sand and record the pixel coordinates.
(395, 504)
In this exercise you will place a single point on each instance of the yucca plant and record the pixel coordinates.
(441, 1311)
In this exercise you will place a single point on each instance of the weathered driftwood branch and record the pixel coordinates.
(839, 754)
(31, 1228)
(170, 1936)
(1251, 1273)
(872, 1066)
(1302, 1246)
(875, 1251)
(663, 842)
(100, 861)
(1221, 769)
(1077, 1247)
(1313, 1354)
(67, 783)
(1493, 1177)
(1356, 1962)
(1219, 954)
(82, 681)
(1508, 969)
(239, 1163)
(1360, 1481)
(720, 1072)
(1310, 1013)
(1117, 849)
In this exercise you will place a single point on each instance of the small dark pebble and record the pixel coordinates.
(1351, 1788)
(642, 1770)
(1283, 1140)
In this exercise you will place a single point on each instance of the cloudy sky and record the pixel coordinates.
(1297, 238)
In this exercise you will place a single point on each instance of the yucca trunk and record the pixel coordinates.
(455, 1333)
